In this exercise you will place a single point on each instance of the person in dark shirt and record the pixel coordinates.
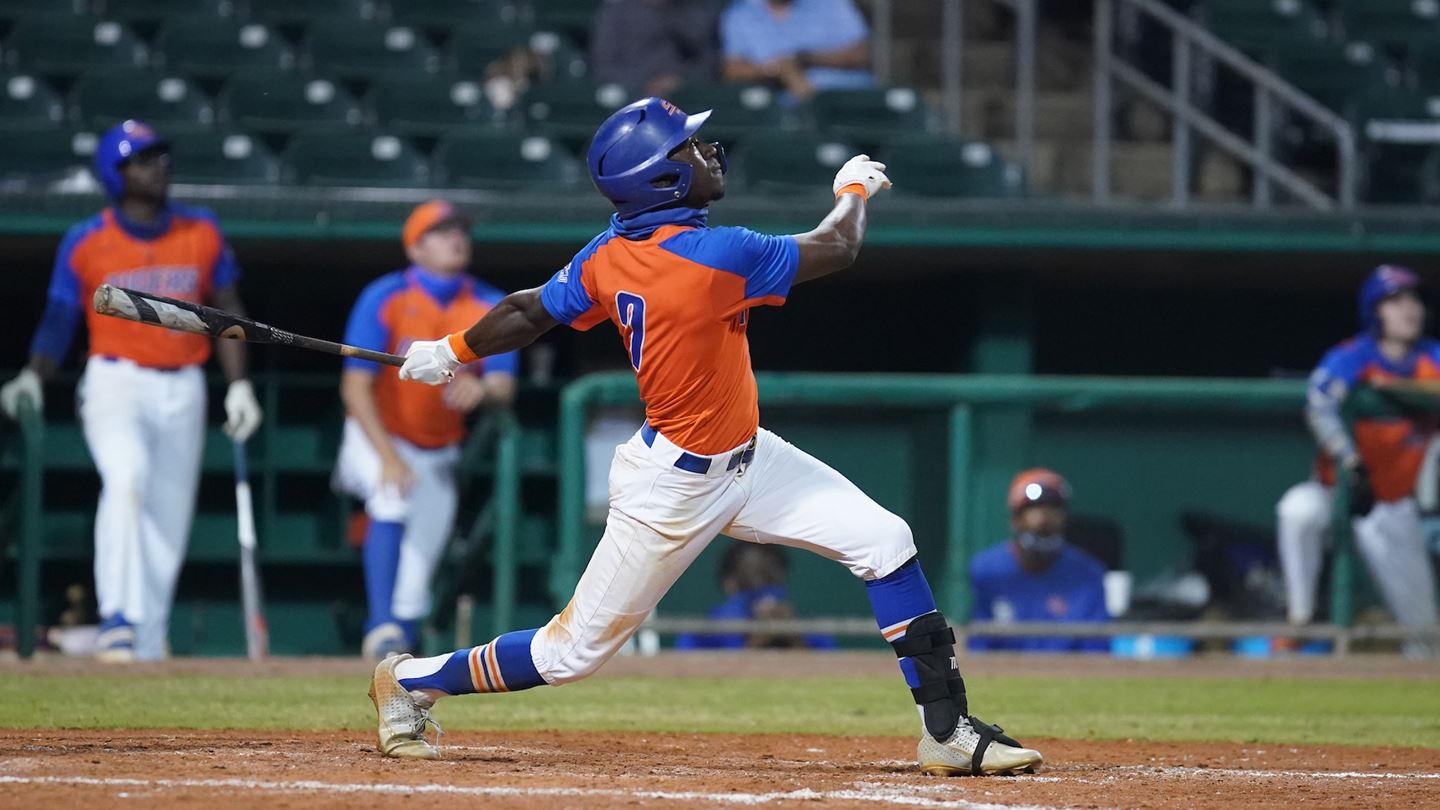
(652, 47)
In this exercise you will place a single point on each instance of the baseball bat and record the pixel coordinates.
(158, 310)
(257, 634)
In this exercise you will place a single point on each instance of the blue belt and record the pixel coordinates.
(689, 462)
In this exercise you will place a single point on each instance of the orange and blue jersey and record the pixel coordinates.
(400, 308)
(680, 292)
(182, 255)
(1392, 447)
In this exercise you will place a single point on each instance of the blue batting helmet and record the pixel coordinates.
(122, 142)
(1385, 281)
(630, 151)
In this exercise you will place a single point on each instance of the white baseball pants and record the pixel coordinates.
(1389, 539)
(661, 518)
(145, 429)
(427, 509)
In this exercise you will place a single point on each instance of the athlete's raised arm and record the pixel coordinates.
(514, 323)
(835, 242)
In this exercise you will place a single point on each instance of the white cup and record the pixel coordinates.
(1117, 592)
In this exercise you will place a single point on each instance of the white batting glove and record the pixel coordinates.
(25, 384)
(242, 411)
(861, 170)
(432, 362)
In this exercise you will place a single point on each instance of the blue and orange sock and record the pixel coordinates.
(503, 665)
(898, 599)
(381, 558)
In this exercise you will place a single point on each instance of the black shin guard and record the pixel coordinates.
(930, 644)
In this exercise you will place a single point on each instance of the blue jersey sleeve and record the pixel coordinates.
(767, 263)
(565, 296)
(62, 308)
(227, 270)
(847, 25)
(366, 327)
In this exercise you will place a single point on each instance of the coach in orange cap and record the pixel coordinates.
(1035, 575)
(401, 442)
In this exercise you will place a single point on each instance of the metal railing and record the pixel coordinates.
(1272, 94)
(30, 528)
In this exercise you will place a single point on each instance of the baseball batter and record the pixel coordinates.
(142, 396)
(401, 442)
(1384, 456)
(680, 293)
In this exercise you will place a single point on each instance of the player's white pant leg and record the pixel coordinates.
(111, 415)
(1392, 542)
(357, 473)
(1303, 520)
(428, 523)
(796, 500)
(661, 518)
(176, 434)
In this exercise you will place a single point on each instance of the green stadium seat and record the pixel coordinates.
(506, 161)
(790, 162)
(303, 12)
(158, 10)
(869, 116)
(474, 46)
(222, 158)
(1391, 22)
(20, 9)
(429, 106)
(1258, 25)
(1334, 74)
(738, 109)
(445, 15)
(569, 18)
(207, 47)
(362, 51)
(572, 108)
(346, 158)
(939, 166)
(1399, 131)
(102, 98)
(27, 101)
(71, 45)
(39, 157)
(280, 101)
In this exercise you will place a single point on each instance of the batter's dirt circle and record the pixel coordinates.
(165, 769)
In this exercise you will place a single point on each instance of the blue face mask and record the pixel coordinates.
(1048, 544)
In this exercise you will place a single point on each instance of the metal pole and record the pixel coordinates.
(1025, 38)
(1180, 169)
(882, 41)
(952, 63)
(570, 511)
(1100, 156)
(507, 522)
(1346, 148)
(962, 480)
(1264, 106)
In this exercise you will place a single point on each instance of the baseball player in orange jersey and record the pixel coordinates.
(402, 442)
(142, 397)
(679, 292)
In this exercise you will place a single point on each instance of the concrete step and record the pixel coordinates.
(1059, 115)
(1139, 171)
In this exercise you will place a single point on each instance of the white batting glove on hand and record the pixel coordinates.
(861, 170)
(432, 362)
(25, 384)
(242, 411)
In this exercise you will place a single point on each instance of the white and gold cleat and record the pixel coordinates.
(402, 716)
(976, 749)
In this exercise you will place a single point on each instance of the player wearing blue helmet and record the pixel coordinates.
(142, 396)
(1384, 457)
(680, 293)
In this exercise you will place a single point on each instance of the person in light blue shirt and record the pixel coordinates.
(800, 46)
(1036, 576)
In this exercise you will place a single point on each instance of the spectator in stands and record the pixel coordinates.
(802, 46)
(1036, 576)
(654, 46)
(753, 578)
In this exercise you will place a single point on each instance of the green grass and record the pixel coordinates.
(1353, 712)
